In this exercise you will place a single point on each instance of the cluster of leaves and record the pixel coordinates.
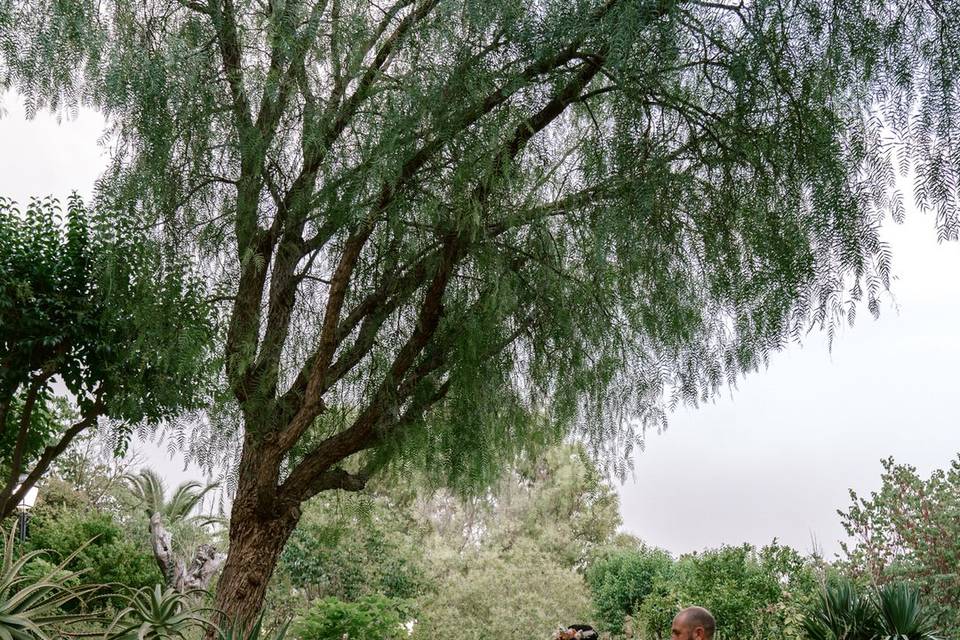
(523, 547)
(752, 593)
(909, 529)
(89, 300)
(353, 547)
(621, 579)
(521, 592)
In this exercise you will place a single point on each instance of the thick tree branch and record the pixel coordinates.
(23, 426)
(9, 498)
(358, 436)
(363, 432)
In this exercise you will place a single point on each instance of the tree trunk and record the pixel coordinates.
(255, 545)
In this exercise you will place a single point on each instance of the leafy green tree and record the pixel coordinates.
(559, 501)
(520, 548)
(485, 225)
(354, 547)
(369, 618)
(620, 579)
(909, 530)
(519, 593)
(752, 593)
(89, 301)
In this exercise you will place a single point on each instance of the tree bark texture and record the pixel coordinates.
(256, 541)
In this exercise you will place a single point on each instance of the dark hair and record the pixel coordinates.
(700, 617)
(584, 631)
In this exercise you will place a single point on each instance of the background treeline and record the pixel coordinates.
(542, 548)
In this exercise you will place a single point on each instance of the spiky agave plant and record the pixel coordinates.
(841, 613)
(157, 614)
(31, 607)
(902, 615)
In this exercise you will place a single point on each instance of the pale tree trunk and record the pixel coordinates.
(206, 562)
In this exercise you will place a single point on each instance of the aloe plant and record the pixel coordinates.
(902, 614)
(891, 612)
(841, 613)
(30, 605)
(158, 614)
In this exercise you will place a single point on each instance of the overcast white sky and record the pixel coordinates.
(773, 458)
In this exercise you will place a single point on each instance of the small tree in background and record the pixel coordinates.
(621, 579)
(909, 529)
(95, 322)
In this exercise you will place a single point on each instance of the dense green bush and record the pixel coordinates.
(371, 617)
(107, 554)
(521, 593)
(753, 594)
(359, 546)
(621, 579)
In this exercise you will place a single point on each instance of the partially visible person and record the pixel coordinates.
(693, 623)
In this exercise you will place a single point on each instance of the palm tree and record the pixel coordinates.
(148, 487)
(177, 512)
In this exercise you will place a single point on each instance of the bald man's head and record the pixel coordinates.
(693, 623)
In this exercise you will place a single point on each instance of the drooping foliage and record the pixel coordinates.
(88, 300)
(451, 231)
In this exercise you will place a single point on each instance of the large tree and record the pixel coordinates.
(451, 229)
